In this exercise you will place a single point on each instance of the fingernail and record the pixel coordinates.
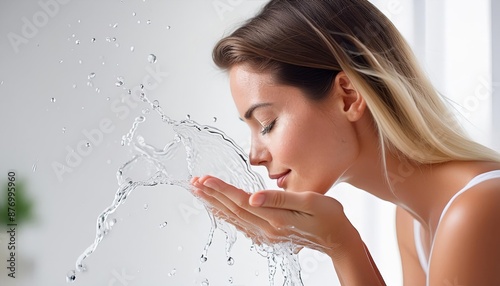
(212, 184)
(257, 200)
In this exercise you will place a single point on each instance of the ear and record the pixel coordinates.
(352, 103)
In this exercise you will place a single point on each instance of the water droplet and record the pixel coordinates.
(91, 75)
(168, 27)
(156, 104)
(179, 248)
(188, 117)
(73, 35)
(152, 58)
(108, 39)
(1, 82)
(53, 99)
(87, 144)
(148, 22)
(61, 61)
(74, 85)
(90, 84)
(115, 25)
(79, 21)
(80, 61)
(77, 42)
(63, 130)
(108, 98)
(146, 206)
(133, 13)
(203, 258)
(172, 272)
(205, 282)
(163, 224)
(145, 111)
(132, 48)
(34, 167)
(214, 119)
(230, 280)
(98, 90)
(71, 276)
(81, 267)
(118, 83)
(230, 261)
(138, 21)
(256, 273)
(113, 222)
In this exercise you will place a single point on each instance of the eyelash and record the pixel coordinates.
(266, 129)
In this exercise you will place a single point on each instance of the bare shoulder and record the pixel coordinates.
(466, 245)
(413, 273)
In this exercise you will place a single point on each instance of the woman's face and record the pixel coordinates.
(305, 145)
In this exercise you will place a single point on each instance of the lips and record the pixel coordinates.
(280, 178)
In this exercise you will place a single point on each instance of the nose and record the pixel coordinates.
(259, 154)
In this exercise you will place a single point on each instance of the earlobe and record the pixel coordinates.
(354, 104)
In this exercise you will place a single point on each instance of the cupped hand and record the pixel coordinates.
(307, 218)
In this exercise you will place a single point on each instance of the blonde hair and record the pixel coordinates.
(306, 43)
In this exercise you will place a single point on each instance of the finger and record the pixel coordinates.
(228, 199)
(273, 220)
(283, 200)
(279, 213)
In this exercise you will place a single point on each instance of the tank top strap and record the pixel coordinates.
(416, 225)
(476, 180)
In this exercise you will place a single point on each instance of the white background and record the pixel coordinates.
(40, 60)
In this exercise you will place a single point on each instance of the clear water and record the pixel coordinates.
(206, 150)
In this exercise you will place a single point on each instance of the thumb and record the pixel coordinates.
(257, 199)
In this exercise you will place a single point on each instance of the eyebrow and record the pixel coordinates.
(248, 113)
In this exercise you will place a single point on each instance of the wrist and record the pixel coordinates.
(352, 260)
(347, 239)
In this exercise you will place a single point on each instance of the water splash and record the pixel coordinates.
(205, 150)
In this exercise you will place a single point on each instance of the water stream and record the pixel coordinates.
(207, 150)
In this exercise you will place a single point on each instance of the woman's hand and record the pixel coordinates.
(308, 219)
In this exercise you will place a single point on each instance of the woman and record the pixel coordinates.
(332, 93)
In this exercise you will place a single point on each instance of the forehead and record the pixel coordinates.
(250, 87)
(244, 75)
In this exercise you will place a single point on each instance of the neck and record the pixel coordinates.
(422, 190)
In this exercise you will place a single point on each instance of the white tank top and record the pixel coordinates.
(416, 225)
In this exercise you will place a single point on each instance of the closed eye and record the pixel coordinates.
(266, 129)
